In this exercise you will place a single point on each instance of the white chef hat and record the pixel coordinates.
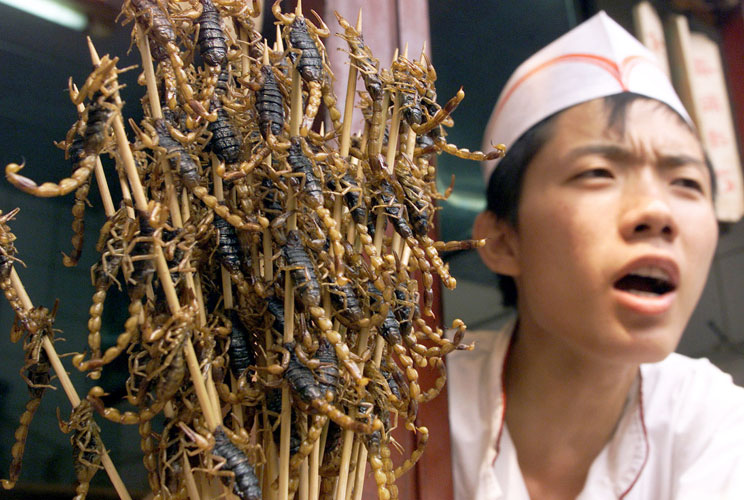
(598, 58)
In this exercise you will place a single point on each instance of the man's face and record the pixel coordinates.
(616, 232)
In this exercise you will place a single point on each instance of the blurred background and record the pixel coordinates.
(472, 44)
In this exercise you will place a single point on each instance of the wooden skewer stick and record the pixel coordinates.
(286, 415)
(286, 420)
(126, 194)
(67, 386)
(345, 144)
(270, 469)
(355, 482)
(191, 488)
(304, 492)
(140, 201)
(296, 103)
(152, 87)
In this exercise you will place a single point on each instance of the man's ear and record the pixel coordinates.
(500, 252)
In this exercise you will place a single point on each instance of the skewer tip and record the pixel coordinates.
(266, 60)
(93, 53)
(279, 41)
(405, 51)
(359, 21)
(298, 9)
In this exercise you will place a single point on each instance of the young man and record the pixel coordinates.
(601, 216)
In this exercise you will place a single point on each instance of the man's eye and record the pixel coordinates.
(689, 183)
(596, 173)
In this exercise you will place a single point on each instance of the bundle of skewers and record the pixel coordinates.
(279, 273)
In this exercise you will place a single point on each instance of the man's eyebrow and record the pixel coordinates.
(676, 160)
(621, 153)
(610, 151)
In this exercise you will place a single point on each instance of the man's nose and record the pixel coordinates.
(648, 213)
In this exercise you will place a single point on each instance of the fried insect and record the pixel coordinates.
(86, 444)
(362, 58)
(168, 377)
(76, 153)
(302, 270)
(37, 377)
(247, 485)
(7, 256)
(304, 39)
(212, 44)
(304, 449)
(301, 165)
(116, 233)
(242, 356)
(394, 209)
(312, 190)
(269, 104)
(225, 141)
(327, 372)
(373, 444)
(307, 289)
(368, 66)
(418, 201)
(35, 372)
(212, 41)
(347, 306)
(101, 87)
(303, 384)
(138, 268)
(229, 254)
(149, 458)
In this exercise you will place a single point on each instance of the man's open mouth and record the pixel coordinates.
(646, 282)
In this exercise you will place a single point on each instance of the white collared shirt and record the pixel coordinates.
(681, 435)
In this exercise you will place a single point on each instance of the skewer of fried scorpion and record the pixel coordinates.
(345, 143)
(289, 302)
(67, 386)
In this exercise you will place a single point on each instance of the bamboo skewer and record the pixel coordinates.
(286, 415)
(345, 143)
(270, 470)
(191, 487)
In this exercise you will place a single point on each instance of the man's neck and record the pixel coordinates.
(562, 409)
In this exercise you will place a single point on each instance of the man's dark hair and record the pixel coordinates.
(505, 186)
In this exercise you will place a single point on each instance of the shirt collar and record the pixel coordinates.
(620, 463)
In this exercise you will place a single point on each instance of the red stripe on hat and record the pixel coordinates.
(599, 61)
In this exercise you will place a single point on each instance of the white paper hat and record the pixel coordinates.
(598, 58)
